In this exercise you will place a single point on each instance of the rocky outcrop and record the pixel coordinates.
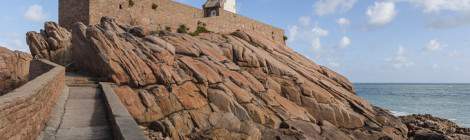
(226, 86)
(14, 69)
(427, 127)
(52, 43)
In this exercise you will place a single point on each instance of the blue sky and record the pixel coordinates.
(424, 41)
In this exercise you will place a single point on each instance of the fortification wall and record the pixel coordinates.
(229, 22)
(160, 14)
(25, 110)
(72, 11)
(152, 14)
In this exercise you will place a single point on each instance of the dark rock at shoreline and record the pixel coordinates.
(427, 127)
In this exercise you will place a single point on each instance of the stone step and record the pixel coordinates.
(85, 133)
(84, 116)
(83, 85)
(80, 80)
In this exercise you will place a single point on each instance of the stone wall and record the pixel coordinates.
(25, 110)
(71, 11)
(229, 22)
(160, 14)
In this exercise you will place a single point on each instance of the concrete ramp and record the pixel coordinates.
(84, 117)
(80, 115)
(87, 110)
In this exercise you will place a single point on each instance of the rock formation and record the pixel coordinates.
(427, 127)
(226, 86)
(52, 43)
(14, 69)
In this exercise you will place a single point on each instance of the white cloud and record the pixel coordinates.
(435, 66)
(441, 5)
(400, 60)
(306, 33)
(381, 13)
(17, 43)
(455, 53)
(460, 10)
(334, 65)
(442, 22)
(293, 32)
(3, 44)
(304, 20)
(343, 22)
(318, 33)
(316, 44)
(14, 44)
(35, 13)
(325, 7)
(345, 42)
(13, 41)
(433, 45)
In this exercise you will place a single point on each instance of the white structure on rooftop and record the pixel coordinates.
(231, 6)
(213, 7)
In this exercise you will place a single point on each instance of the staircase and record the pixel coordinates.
(81, 114)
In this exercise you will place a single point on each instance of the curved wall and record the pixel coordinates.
(25, 110)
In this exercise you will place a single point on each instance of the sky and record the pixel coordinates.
(368, 41)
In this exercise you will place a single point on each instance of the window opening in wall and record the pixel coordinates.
(120, 6)
(154, 6)
(213, 13)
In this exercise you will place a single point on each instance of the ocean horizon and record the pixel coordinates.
(411, 83)
(445, 100)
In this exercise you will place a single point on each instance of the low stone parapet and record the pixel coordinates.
(124, 125)
(25, 110)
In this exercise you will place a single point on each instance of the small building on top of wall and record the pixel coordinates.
(214, 7)
(220, 16)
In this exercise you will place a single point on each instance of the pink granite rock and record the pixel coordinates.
(52, 43)
(14, 69)
(226, 86)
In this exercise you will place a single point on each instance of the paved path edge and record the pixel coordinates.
(55, 119)
(123, 124)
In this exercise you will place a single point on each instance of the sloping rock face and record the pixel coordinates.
(226, 86)
(52, 43)
(427, 127)
(14, 69)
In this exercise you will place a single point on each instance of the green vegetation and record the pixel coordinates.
(131, 3)
(199, 29)
(167, 28)
(285, 38)
(182, 29)
(154, 6)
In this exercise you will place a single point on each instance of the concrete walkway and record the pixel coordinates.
(82, 116)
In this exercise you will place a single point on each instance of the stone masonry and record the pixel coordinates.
(25, 110)
(159, 15)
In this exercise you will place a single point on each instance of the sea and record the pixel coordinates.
(449, 101)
